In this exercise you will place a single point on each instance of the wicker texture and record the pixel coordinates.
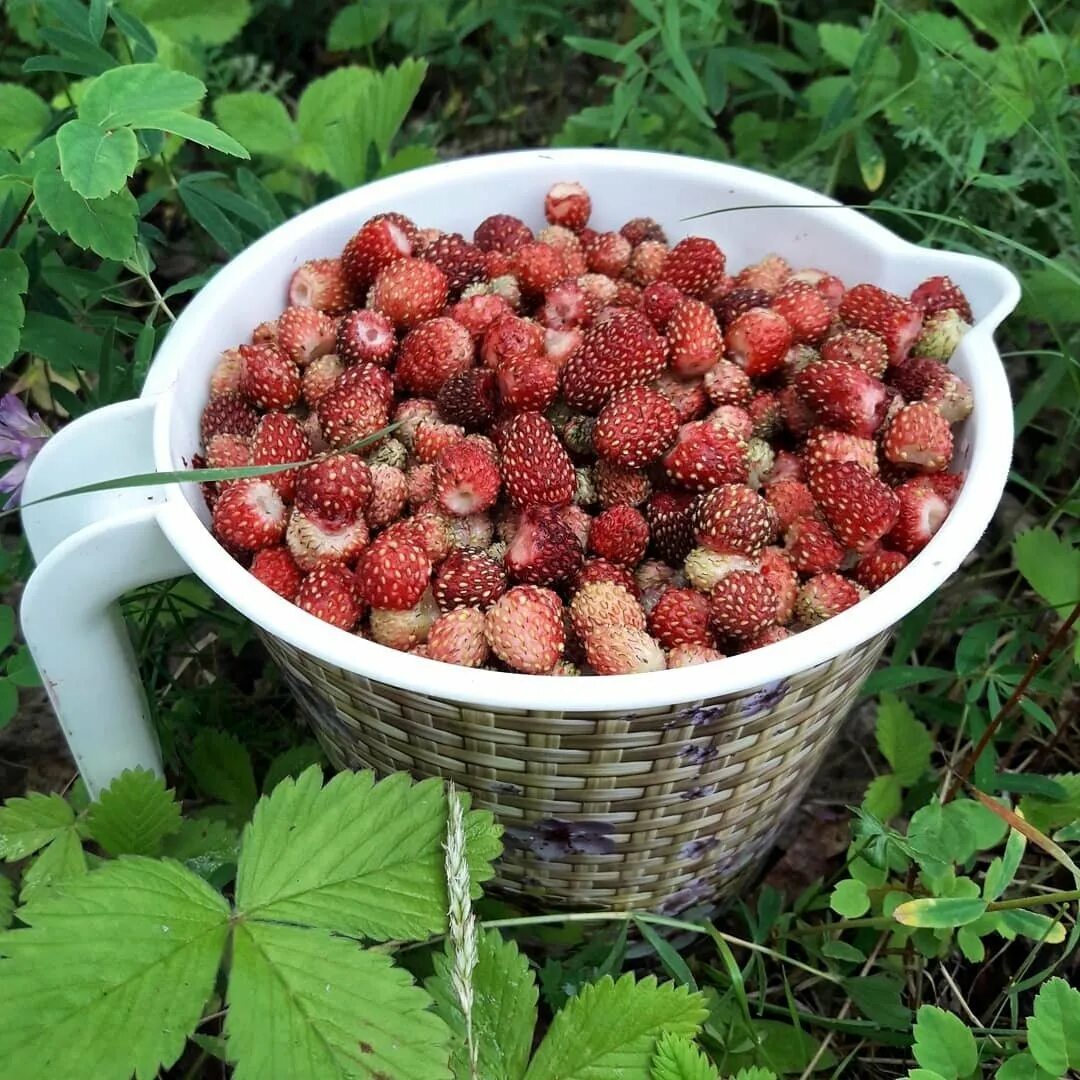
(658, 810)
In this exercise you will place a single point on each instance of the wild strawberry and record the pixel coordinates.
(941, 294)
(329, 593)
(566, 304)
(338, 487)
(742, 605)
(769, 274)
(321, 284)
(536, 468)
(265, 333)
(732, 418)
(409, 291)
(766, 637)
(388, 495)
(739, 300)
(878, 566)
(599, 288)
(278, 440)
(705, 568)
(860, 348)
(681, 617)
(527, 383)
(544, 550)
(313, 539)
(431, 353)
(432, 437)
(467, 479)
(277, 570)
(249, 515)
(727, 384)
(918, 437)
(368, 377)
(705, 455)
(658, 301)
(687, 396)
(790, 500)
(478, 313)
(349, 414)
(694, 338)
(940, 335)
(778, 571)
(608, 253)
(689, 655)
(732, 518)
(619, 534)
(459, 637)
(824, 596)
(560, 345)
(898, 321)
(622, 351)
(694, 265)
(787, 466)
(568, 204)
(596, 569)
(304, 333)
(806, 311)
(647, 261)
(319, 376)
(393, 573)
(617, 485)
(502, 232)
(225, 378)
(409, 414)
(766, 414)
(923, 510)
(798, 416)
(525, 629)
(760, 460)
(268, 379)
(500, 265)
(461, 262)
(669, 515)
(604, 603)
(365, 336)
(635, 427)
(758, 341)
(843, 396)
(859, 508)
(389, 451)
(469, 399)
(948, 485)
(538, 267)
(826, 444)
(509, 337)
(811, 546)
(382, 240)
(404, 630)
(561, 238)
(639, 229)
(468, 578)
(623, 650)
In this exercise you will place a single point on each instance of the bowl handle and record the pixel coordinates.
(90, 549)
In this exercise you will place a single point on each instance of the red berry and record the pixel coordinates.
(598, 604)
(365, 336)
(321, 284)
(730, 306)
(860, 348)
(459, 637)
(778, 571)
(525, 629)
(694, 265)
(766, 415)
(798, 416)
(639, 229)
(824, 596)
(923, 510)
(368, 377)
(595, 570)
(536, 468)
(225, 378)
(432, 437)
(669, 515)
(249, 515)
(898, 321)
(510, 337)
(382, 240)
(467, 479)
(646, 262)
(689, 655)
(479, 312)
(544, 550)
(939, 294)
(409, 291)
(468, 578)
(694, 338)
(826, 444)
(758, 341)
(469, 399)
(538, 267)
(623, 350)
(619, 534)
(502, 232)
(388, 495)
(568, 204)
(727, 384)
(461, 262)
(948, 485)
(918, 437)
(527, 383)
(617, 485)
(787, 466)
(733, 519)
(742, 605)
(843, 396)
(878, 566)
(635, 427)
(566, 304)
(623, 650)
(769, 275)
(658, 302)
(228, 414)
(338, 487)
(681, 617)
(319, 376)
(560, 345)
(705, 455)
(278, 440)
(859, 508)
(806, 311)
(277, 570)
(393, 573)
(348, 414)
(228, 452)
(811, 546)
(268, 378)
(304, 334)
(608, 253)
(313, 539)
(431, 353)
(329, 593)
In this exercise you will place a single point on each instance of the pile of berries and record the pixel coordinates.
(609, 455)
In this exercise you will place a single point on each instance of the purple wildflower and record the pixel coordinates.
(22, 435)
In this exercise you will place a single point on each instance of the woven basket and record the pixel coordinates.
(659, 810)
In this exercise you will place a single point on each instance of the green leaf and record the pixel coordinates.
(95, 161)
(191, 128)
(879, 998)
(292, 763)
(944, 1044)
(358, 25)
(1029, 924)
(937, 912)
(884, 797)
(850, 899)
(1049, 814)
(209, 22)
(124, 95)
(28, 824)
(222, 768)
(1001, 871)
(7, 901)
(1001, 19)
(669, 956)
(840, 43)
(259, 121)
(105, 226)
(13, 284)
(677, 1058)
(755, 1072)
(903, 740)
(939, 836)
(985, 828)
(871, 159)
(111, 973)
(355, 856)
(504, 1008)
(9, 701)
(134, 814)
(782, 1048)
(1022, 1067)
(1054, 1027)
(62, 860)
(1050, 565)
(610, 1029)
(203, 844)
(23, 117)
(305, 1003)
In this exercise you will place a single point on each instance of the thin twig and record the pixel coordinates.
(23, 211)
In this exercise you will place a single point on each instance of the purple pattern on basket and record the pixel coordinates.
(696, 849)
(767, 698)
(702, 791)
(761, 700)
(553, 838)
(698, 754)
